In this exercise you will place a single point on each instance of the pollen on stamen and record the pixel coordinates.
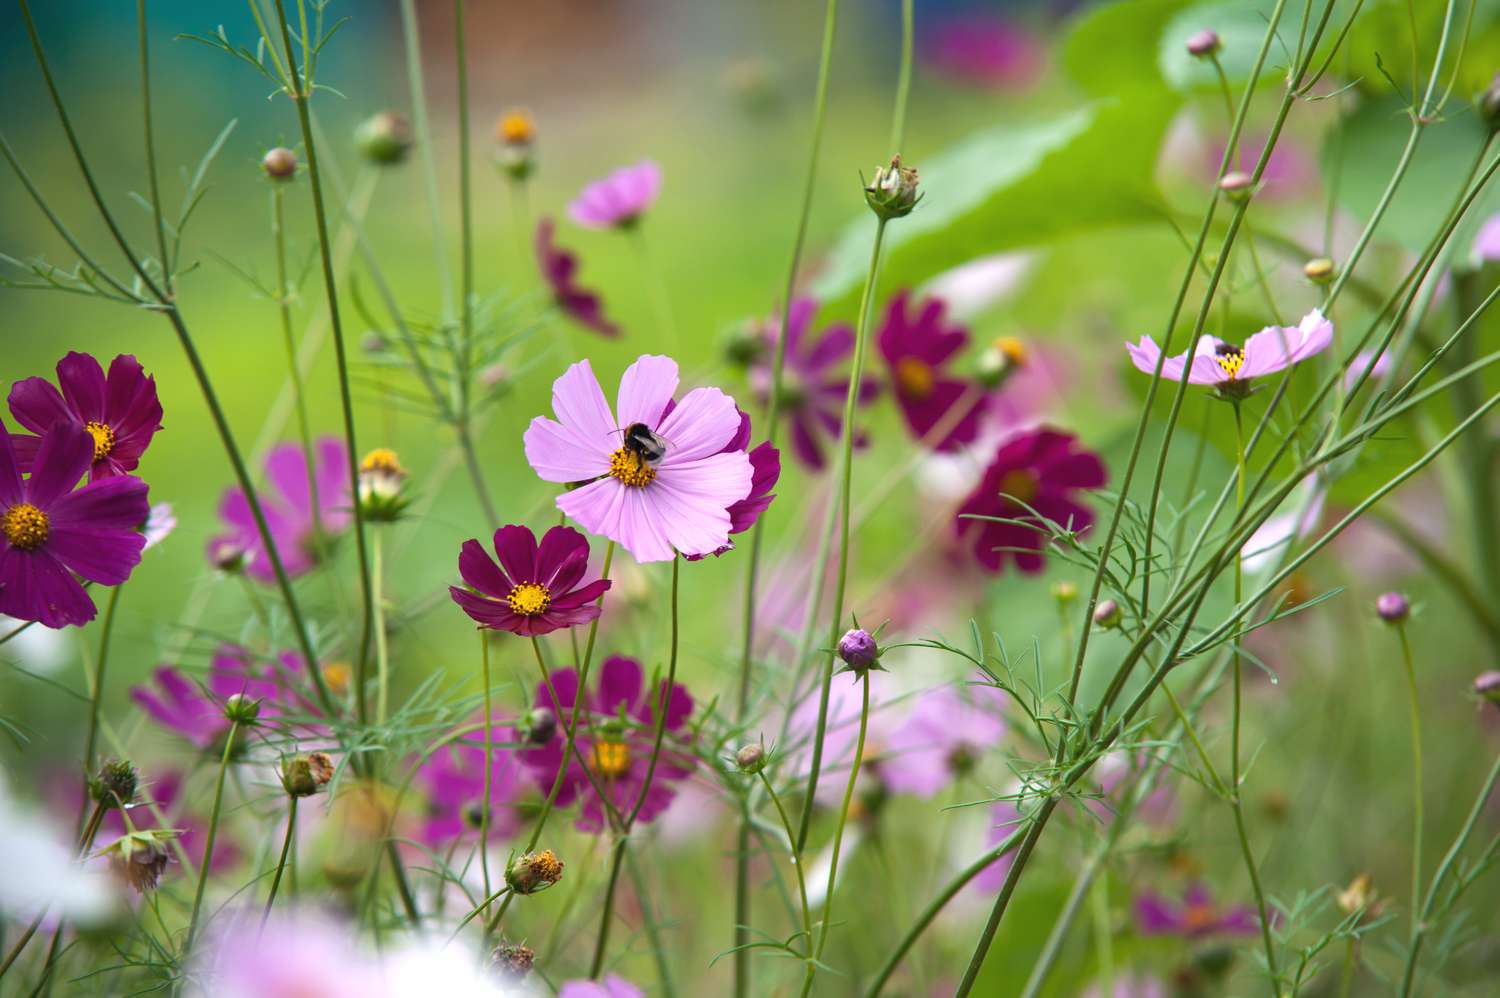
(610, 759)
(104, 438)
(25, 527)
(1230, 358)
(529, 599)
(629, 468)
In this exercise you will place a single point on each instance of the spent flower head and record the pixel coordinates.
(303, 775)
(512, 961)
(893, 191)
(533, 871)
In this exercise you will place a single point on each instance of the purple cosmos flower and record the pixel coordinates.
(1196, 917)
(984, 50)
(559, 268)
(948, 730)
(50, 530)
(1042, 469)
(1487, 241)
(620, 199)
(916, 350)
(765, 471)
(288, 507)
(812, 389)
(615, 737)
(120, 411)
(534, 590)
(1230, 367)
(197, 712)
(613, 986)
(453, 778)
(675, 500)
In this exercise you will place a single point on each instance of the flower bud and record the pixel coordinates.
(745, 343)
(512, 961)
(1488, 104)
(750, 759)
(228, 555)
(1237, 185)
(1392, 607)
(893, 192)
(381, 486)
(515, 143)
(384, 138)
(305, 775)
(115, 785)
(533, 871)
(373, 343)
(139, 858)
(1107, 614)
(1358, 895)
(858, 651)
(1205, 43)
(1487, 685)
(1064, 592)
(1002, 358)
(1319, 270)
(538, 726)
(241, 709)
(280, 164)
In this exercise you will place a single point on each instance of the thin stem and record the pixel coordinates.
(411, 36)
(786, 825)
(606, 913)
(489, 755)
(286, 850)
(652, 927)
(903, 77)
(97, 692)
(294, 369)
(150, 143)
(661, 301)
(382, 655)
(211, 835)
(465, 212)
(663, 704)
(1416, 775)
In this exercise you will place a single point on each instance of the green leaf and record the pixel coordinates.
(1114, 49)
(1241, 25)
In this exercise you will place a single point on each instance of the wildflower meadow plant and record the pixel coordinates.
(419, 579)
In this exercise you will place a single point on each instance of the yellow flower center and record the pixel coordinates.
(24, 526)
(382, 459)
(337, 676)
(529, 599)
(547, 867)
(1020, 484)
(628, 467)
(516, 128)
(610, 759)
(1199, 917)
(1012, 350)
(1230, 359)
(104, 438)
(915, 377)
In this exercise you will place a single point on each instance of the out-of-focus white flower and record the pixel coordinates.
(161, 522)
(1301, 513)
(39, 649)
(971, 288)
(42, 871)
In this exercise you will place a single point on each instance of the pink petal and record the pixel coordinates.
(645, 389)
(702, 424)
(558, 454)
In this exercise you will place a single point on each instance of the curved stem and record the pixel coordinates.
(210, 836)
(107, 630)
(294, 369)
(382, 654)
(606, 913)
(286, 850)
(903, 77)
(791, 837)
(412, 40)
(1416, 775)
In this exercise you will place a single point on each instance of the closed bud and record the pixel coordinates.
(384, 138)
(1488, 104)
(373, 343)
(1319, 270)
(750, 759)
(538, 726)
(745, 343)
(858, 650)
(533, 871)
(280, 164)
(1487, 685)
(515, 143)
(1064, 592)
(114, 785)
(512, 961)
(1107, 614)
(1392, 607)
(1237, 185)
(1358, 895)
(893, 192)
(1205, 43)
(241, 709)
(228, 555)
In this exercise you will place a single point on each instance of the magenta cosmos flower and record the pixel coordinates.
(620, 199)
(612, 986)
(813, 387)
(674, 499)
(616, 734)
(1035, 473)
(291, 513)
(948, 731)
(453, 778)
(1197, 916)
(917, 349)
(196, 712)
(1231, 368)
(534, 590)
(51, 532)
(120, 411)
(560, 270)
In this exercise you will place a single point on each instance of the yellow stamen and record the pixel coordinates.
(1012, 350)
(1020, 484)
(382, 459)
(1231, 362)
(915, 377)
(104, 438)
(628, 467)
(337, 676)
(24, 526)
(610, 759)
(529, 599)
(1199, 917)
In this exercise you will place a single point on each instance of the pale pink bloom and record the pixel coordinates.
(293, 956)
(1487, 241)
(678, 504)
(840, 734)
(972, 288)
(612, 986)
(619, 199)
(1268, 544)
(946, 733)
(1129, 986)
(1215, 362)
(1367, 361)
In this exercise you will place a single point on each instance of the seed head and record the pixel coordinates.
(115, 785)
(305, 775)
(512, 961)
(140, 857)
(893, 192)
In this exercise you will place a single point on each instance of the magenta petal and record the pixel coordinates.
(516, 547)
(105, 557)
(12, 490)
(118, 503)
(559, 694)
(561, 559)
(82, 382)
(619, 685)
(480, 571)
(37, 587)
(64, 457)
(38, 406)
(1154, 916)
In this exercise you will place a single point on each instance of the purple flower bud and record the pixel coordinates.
(1487, 685)
(750, 759)
(1236, 185)
(1107, 614)
(1392, 607)
(280, 164)
(1488, 104)
(1205, 43)
(858, 650)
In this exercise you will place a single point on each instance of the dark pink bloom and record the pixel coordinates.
(453, 778)
(1197, 916)
(120, 411)
(813, 387)
(983, 49)
(534, 590)
(288, 507)
(616, 732)
(916, 350)
(947, 732)
(619, 200)
(559, 269)
(1043, 469)
(196, 712)
(50, 530)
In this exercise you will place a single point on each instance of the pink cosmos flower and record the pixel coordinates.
(1231, 368)
(294, 955)
(197, 712)
(1005, 818)
(617, 743)
(765, 471)
(613, 986)
(1368, 366)
(288, 507)
(1487, 240)
(916, 350)
(1129, 986)
(453, 778)
(120, 411)
(983, 49)
(51, 532)
(948, 730)
(534, 590)
(654, 506)
(1043, 469)
(1197, 916)
(620, 199)
(560, 271)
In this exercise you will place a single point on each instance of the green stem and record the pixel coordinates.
(286, 850)
(791, 838)
(294, 369)
(107, 630)
(148, 135)
(1416, 775)
(411, 37)
(382, 655)
(606, 913)
(903, 77)
(210, 836)
(661, 301)
(489, 754)
(465, 213)
(652, 927)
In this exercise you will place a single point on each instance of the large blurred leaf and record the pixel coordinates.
(1241, 26)
(1013, 186)
(1113, 49)
(1383, 37)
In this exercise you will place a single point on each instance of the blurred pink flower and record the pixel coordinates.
(618, 200)
(612, 986)
(1005, 818)
(983, 49)
(944, 735)
(453, 778)
(1195, 917)
(1362, 366)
